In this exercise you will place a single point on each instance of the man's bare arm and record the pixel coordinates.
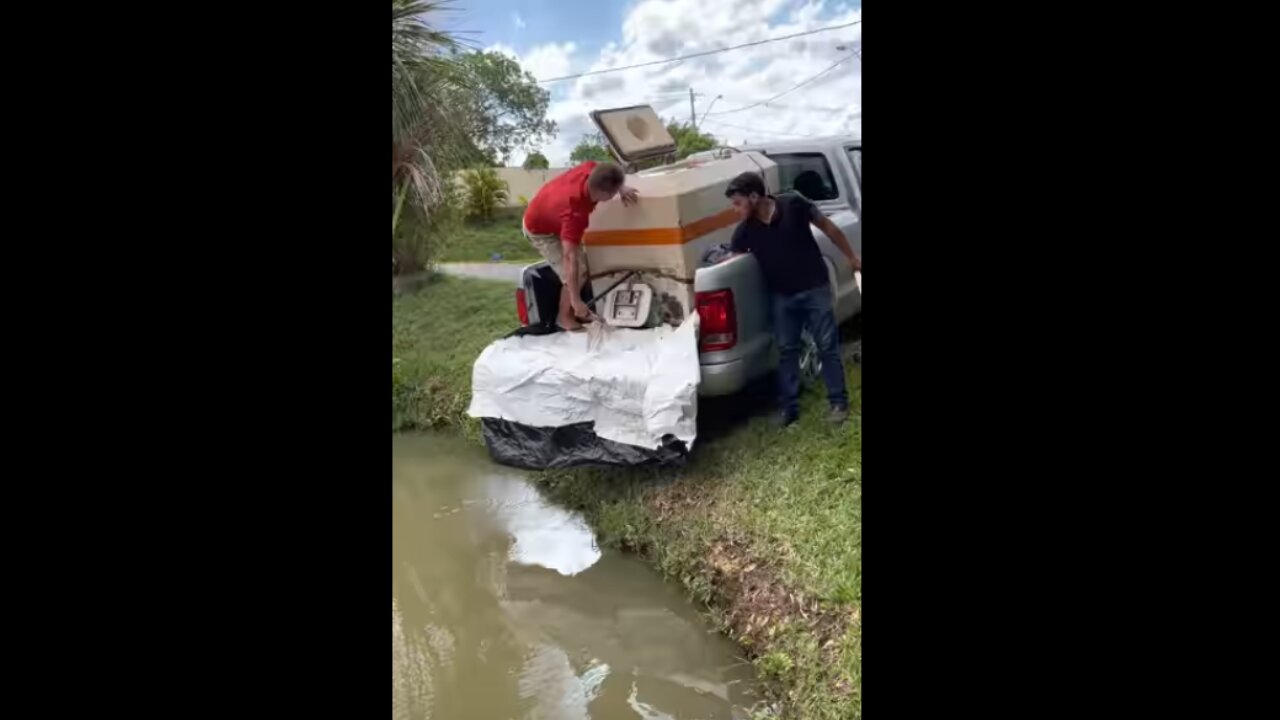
(837, 236)
(569, 271)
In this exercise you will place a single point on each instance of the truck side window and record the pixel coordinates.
(807, 173)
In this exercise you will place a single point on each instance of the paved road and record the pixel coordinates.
(484, 271)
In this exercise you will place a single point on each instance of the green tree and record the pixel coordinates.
(590, 147)
(536, 161)
(689, 139)
(449, 111)
(501, 107)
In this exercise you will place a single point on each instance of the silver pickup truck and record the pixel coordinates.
(829, 172)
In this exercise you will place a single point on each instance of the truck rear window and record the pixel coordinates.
(807, 173)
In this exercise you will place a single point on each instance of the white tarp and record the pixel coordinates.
(635, 385)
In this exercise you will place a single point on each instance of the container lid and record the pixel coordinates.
(634, 132)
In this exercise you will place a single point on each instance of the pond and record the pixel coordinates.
(503, 607)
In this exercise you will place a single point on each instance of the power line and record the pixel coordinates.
(766, 131)
(699, 54)
(815, 108)
(798, 85)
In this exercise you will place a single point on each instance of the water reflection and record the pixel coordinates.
(543, 534)
(504, 607)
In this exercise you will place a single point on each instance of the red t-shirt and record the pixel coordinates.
(563, 206)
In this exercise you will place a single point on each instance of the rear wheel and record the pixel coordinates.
(810, 359)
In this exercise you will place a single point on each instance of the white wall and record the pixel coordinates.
(523, 182)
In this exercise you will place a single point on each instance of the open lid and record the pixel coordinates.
(634, 132)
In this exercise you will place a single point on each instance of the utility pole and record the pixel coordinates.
(693, 116)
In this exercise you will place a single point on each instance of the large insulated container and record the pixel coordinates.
(681, 213)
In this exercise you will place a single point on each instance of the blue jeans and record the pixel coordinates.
(791, 314)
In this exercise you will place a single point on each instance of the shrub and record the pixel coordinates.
(485, 191)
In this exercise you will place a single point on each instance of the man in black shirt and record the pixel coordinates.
(776, 230)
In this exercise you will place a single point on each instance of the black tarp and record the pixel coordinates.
(534, 448)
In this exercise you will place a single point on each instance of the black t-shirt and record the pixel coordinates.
(788, 255)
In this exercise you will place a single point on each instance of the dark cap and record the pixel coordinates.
(745, 184)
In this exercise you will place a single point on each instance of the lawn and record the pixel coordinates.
(763, 525)
(478, 241)
(436, 335)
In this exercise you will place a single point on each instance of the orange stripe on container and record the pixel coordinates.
(642, 236)
(709, 224)
(662, 236)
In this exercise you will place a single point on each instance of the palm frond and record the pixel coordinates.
(419, 61)
(411, 35)
(421, 76)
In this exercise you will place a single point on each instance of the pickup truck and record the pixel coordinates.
(736, 340)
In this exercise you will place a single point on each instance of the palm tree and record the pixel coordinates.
(421, 75)
(485, 191)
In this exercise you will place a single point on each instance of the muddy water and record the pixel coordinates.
(503, 607)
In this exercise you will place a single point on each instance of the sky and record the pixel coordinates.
(551, 38)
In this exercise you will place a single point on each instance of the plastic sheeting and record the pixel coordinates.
(534, 448)
(632, 387)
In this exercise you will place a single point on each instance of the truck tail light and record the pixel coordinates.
(719, 321)
(522, 309)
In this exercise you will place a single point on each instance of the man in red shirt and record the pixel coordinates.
(556, 219)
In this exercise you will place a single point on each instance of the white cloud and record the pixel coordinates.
(544, 61)
(548, 61)
(658, 29)
(518, 21)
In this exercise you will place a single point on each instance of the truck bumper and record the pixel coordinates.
(723, 378)
(733, 374)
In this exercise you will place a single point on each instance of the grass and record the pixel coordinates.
(478, 241)
(763, 526)
(436, 335)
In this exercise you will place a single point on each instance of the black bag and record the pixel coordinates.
(534, 448)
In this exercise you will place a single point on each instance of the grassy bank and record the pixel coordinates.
(478, 241)
(763, 525)
(436, 335)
